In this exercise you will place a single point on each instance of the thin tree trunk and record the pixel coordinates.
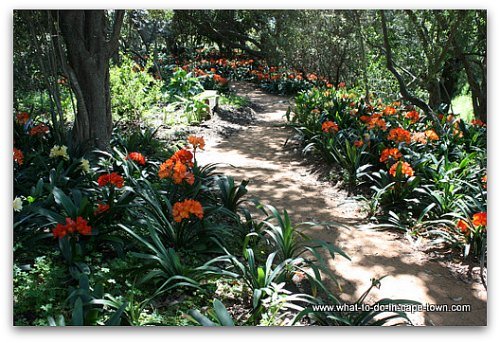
(402, 87)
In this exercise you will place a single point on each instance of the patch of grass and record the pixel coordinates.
(233, 100)
(462, 105)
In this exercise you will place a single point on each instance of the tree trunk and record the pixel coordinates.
(88, 53)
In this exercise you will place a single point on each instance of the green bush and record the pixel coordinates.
(135, 93)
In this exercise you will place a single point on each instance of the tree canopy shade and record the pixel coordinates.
(428, 57)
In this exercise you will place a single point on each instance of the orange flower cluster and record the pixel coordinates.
(406, 169)
(419, 137)
(463, 226)
(101, 208)
(137, 157)
(374, 121)
(176, 167)
(40, 129)
(329, 127)
(359, 143)
(478, 122)
(399, 135)
(22, 117)
(220, 80)
(79, 226)
(393, 153)
(479, 219)
(431, 135)
(312, 77)
(183, 210)
(18, 156)
(111, 178)
(197, 142)
(389, 111)
(413, 116)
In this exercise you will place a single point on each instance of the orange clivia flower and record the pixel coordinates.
(197, 142)
(419, 137)
(40, 129)
(477, 122)
(22, 117)
(406, 169)
(79, 226)
(413, 116)
(389, 110)
(220, 80)
(183, 210)
(312, 77)
(18, 156)
(375, 121)
(329, 126)
(463, 226)
(101, 208)
(393, 153)
(137, 157)
(484, 180)
(341, 85)
(479, 219)
(399, 135)
(176, 167)
(359, 143)
(111, 178)
(431, 135)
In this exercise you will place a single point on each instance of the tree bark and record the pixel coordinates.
(88, 53)
(402, 87)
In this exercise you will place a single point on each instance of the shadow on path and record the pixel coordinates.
(280, 177)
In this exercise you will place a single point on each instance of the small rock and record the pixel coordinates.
(456, 298)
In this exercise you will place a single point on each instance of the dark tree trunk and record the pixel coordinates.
(88, 52)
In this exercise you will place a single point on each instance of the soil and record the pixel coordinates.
(259, 148)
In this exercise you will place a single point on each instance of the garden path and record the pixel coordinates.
(280, 176)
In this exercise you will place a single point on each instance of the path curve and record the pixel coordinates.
(279, 176)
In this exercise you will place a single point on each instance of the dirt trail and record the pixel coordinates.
(279, 176)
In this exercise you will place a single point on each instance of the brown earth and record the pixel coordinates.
(280, 176)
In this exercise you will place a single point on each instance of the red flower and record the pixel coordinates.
(477, 122)
(390, 153)
(479, 219)
(40, 129)
(399, 135)
(113, 178)
(389, 110)
(101, 208)
(463, 226)
(329, 126)
(413, 116)
(18, 156)
(22, 117)
(176, 167)
(79, 226)
(137, 157)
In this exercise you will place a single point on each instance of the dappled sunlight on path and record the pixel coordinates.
(279, 176)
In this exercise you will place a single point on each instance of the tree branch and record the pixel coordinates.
(115, 35)
(402, 87)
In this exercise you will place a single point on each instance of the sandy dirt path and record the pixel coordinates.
(280, 176)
